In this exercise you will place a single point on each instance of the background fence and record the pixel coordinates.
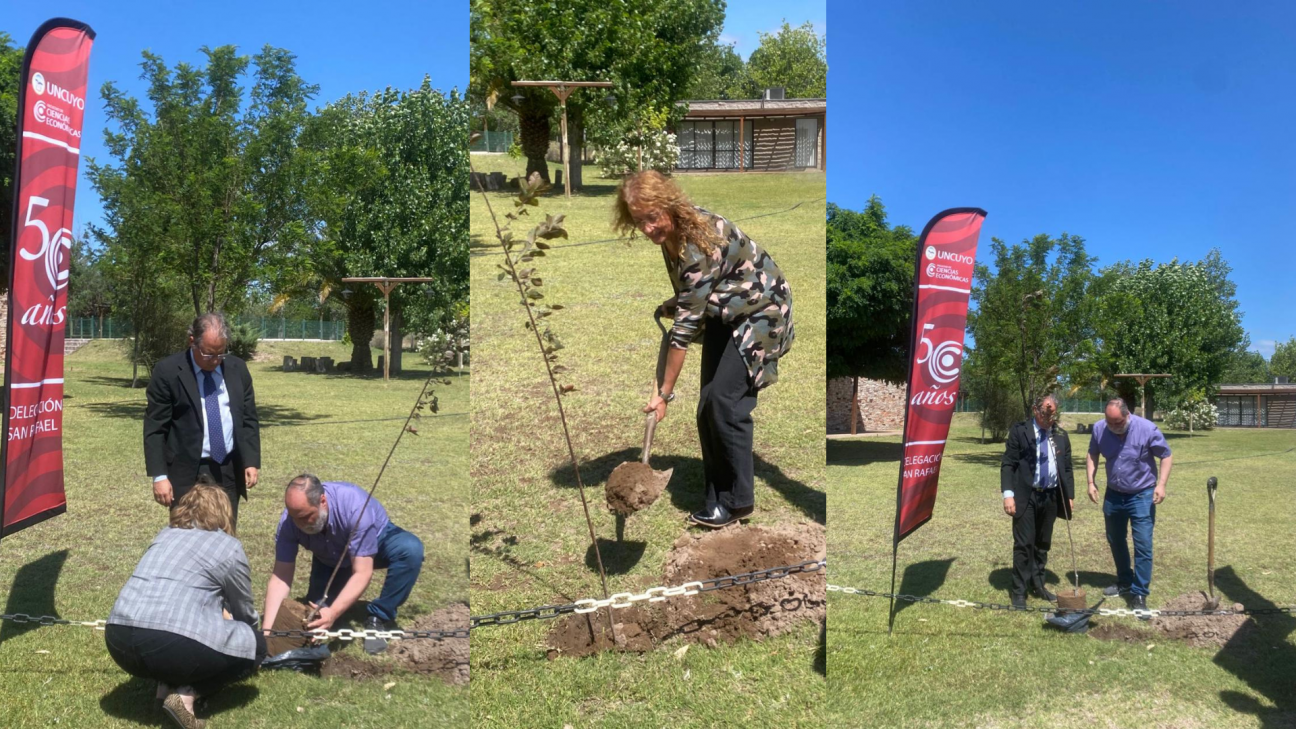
(492, 142)
(266, 327)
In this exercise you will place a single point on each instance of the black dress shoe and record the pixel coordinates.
(1042, 593)
(715, 517)
(1139, 602)
(374, 646)
(1018, 601)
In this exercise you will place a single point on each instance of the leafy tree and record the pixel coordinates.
(721, 74)
(10, 70)
(1246, 367)
(794, 58)
(1283, 361)
(870, 293)
(392, 192)
(223, 179)
(88, 281)
(1032, 320)
(649, 49)
(1175, 318)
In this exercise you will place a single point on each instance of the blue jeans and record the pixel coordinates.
(1139, 513)
(399, 552)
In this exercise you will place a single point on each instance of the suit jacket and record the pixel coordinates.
(1017, 472)
(173, 423)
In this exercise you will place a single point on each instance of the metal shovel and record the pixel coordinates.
(1212, 600)
(1076, 600)
(635, 485)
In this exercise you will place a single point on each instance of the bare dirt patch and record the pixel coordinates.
(1200, 631)
(446, 658)
(751, 611)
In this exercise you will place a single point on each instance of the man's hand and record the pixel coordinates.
(250, 476)
(162, 491)
(1093, 493)
(667, 309)
(1158, 494)
(656, 404)
(1010, 506)
(1070, 506)
(327, 616)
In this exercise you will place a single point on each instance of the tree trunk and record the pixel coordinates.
(360, 324)
(395, 346)
(535, 139)
(854, 415)
(576, 146)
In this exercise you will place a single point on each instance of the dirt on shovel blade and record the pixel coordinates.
(753, 611)
(634, 486)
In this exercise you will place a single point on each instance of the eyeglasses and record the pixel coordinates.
(219, 356)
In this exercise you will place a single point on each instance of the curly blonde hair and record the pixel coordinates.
(205, 507)
(651, 190)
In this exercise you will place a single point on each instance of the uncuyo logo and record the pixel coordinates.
(931, 253)
(38, 83)
(944, 360)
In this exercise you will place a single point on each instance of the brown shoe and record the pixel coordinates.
(174, 707)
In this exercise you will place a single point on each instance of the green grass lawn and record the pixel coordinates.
(530, 543)
(946, 666)
(337, 427)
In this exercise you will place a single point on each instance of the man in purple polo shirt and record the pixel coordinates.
(1134, 488)
(319, 516)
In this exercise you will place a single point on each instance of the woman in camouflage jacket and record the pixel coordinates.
(730, 295)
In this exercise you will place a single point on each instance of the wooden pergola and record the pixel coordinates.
(386, 285)
(563, 89)
(1143, 380)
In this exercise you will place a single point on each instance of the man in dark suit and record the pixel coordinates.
(202, 418)
(1036, 482)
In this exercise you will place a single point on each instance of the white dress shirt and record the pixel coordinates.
(222, 399)
(1052, 464)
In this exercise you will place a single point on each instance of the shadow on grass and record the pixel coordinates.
(618, 557)
(269, 415)
(1260, 654)
(863, 452)
(124, 382)
(134, 701)
(32, 592)
(480, 542)
(922, 579)
(685, 486)
(821, 652)
(1091, 582)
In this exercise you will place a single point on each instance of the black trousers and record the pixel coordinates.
(175, 660)
(724, 420)
(225, 474)
(1032, 537)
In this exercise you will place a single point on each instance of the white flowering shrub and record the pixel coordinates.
(1194, 415)
(660, 152)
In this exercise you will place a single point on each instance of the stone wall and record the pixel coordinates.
(881, 406)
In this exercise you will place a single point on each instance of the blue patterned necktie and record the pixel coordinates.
(214, 432)
(1043, 460)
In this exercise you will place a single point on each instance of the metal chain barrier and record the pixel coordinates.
(1113, 612)
(651, 595)
(395, 634)
(619, 600)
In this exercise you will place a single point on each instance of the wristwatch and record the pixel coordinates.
(668, 397)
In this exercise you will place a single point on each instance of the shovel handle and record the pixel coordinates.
(650, 426)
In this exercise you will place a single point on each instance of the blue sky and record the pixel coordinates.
(341, 47)
(746, 19)
(1152, 130)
